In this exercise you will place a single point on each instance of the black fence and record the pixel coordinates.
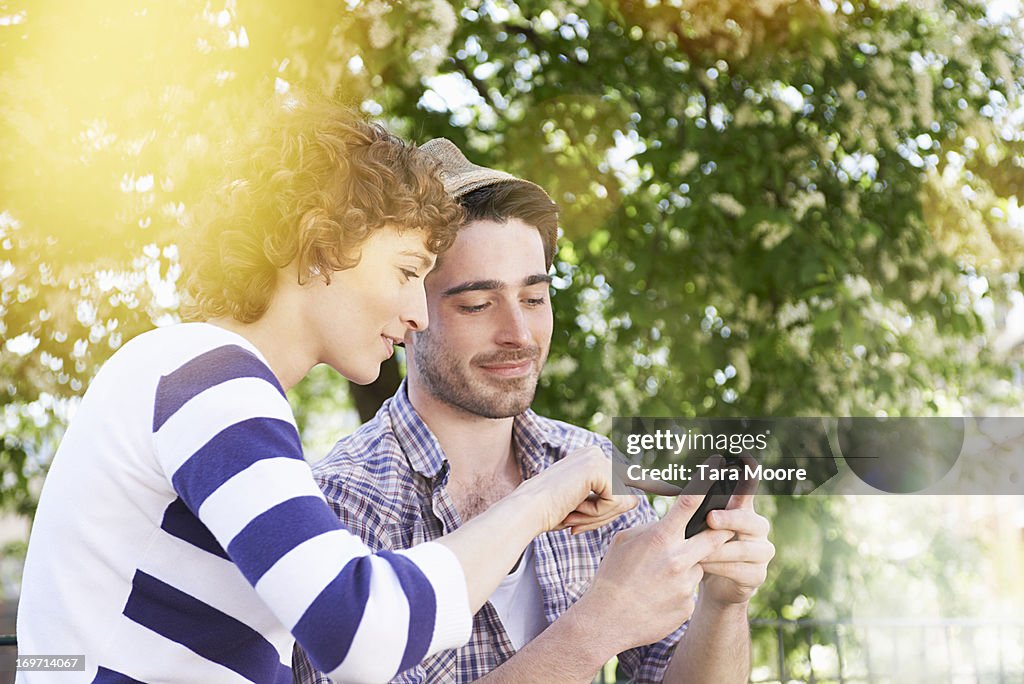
(888, 651)
(882, 651)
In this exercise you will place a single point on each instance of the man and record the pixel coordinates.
(458, 436)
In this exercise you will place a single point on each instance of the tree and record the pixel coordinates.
(112, 132)
(774, 208)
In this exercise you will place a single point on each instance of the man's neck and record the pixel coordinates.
(476, 447)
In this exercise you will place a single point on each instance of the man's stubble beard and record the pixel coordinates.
(444, 377)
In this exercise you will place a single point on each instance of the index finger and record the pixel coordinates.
(745, 523)
(703, 544)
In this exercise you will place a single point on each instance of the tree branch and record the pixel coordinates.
(528, 32)
(480, 86)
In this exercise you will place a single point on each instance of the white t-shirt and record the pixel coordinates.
(519, 602)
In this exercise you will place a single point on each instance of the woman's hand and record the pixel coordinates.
(576, 492)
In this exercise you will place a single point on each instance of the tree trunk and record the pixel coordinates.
(368, 398)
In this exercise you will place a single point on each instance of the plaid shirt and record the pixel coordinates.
(387, 482)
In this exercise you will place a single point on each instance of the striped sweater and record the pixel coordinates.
(181, 537)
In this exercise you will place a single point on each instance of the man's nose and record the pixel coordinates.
(513, 330)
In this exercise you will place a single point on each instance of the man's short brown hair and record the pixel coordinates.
(311, 191)
(514, 199)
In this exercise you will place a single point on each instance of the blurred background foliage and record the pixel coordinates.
(778, 207)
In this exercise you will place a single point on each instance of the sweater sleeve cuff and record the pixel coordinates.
(453, 622)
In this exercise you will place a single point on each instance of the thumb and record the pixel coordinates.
(681, 511)
(743, 495)
(691, 498)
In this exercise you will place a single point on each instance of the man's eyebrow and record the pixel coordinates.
(424, 260)
(475, 285)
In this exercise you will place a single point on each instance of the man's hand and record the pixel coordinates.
(734, 572)
(488, 545)
(716, 646)
(644, 587)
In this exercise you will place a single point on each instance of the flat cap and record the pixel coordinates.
(461, 176)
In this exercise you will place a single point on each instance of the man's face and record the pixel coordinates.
(490, 321)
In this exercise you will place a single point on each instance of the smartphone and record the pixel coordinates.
(717, 497)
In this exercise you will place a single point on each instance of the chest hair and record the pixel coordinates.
(475, 496)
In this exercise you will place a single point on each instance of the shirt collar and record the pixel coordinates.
(417, 441)
(532, 442)
(530, 436)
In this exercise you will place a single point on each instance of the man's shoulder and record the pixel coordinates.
(566, 435)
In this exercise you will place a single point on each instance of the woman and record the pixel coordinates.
(180, 486)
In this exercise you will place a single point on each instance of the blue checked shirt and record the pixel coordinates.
(388, 484)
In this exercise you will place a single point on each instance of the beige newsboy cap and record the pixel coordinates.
(461, 176)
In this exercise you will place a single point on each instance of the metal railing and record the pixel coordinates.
(880, 651)
(886, 651)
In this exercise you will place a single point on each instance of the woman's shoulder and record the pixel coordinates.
(179, 359)
(168, 348)
(189, 338)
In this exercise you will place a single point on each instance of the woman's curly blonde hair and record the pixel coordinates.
(310, 193)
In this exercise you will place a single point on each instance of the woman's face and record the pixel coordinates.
(357, 319)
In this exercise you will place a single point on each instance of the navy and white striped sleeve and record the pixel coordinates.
(226, 439)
